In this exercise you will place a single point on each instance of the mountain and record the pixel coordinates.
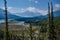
(10, 15)
(56, 18)
(31, 19)
(57, 13)
(32, 14)
(23, 17)
(29, 14)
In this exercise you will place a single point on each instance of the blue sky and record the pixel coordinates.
(21, 6)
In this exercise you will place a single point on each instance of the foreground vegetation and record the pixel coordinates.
(34, 32)
(47, 29)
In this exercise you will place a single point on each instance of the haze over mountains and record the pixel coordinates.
(10, 16)
(22, 15)
(29, 14)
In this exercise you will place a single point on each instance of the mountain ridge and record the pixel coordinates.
(19, 18)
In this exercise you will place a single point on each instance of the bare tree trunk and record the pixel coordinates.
(6, 21)
(49, 21)
(51, 28)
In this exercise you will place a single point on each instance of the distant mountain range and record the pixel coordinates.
(34, 16)
(57, 13)
(22, 15)
(10, 15)
(29, 14)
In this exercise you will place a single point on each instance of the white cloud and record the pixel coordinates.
(57, 5)
(30, 9)
(14, 10)
(8, 7)
(36, 1)
(36, 10)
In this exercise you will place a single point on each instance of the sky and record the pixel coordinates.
(35, 6)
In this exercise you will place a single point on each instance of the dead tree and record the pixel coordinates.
(6, 21)
(52, 34)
